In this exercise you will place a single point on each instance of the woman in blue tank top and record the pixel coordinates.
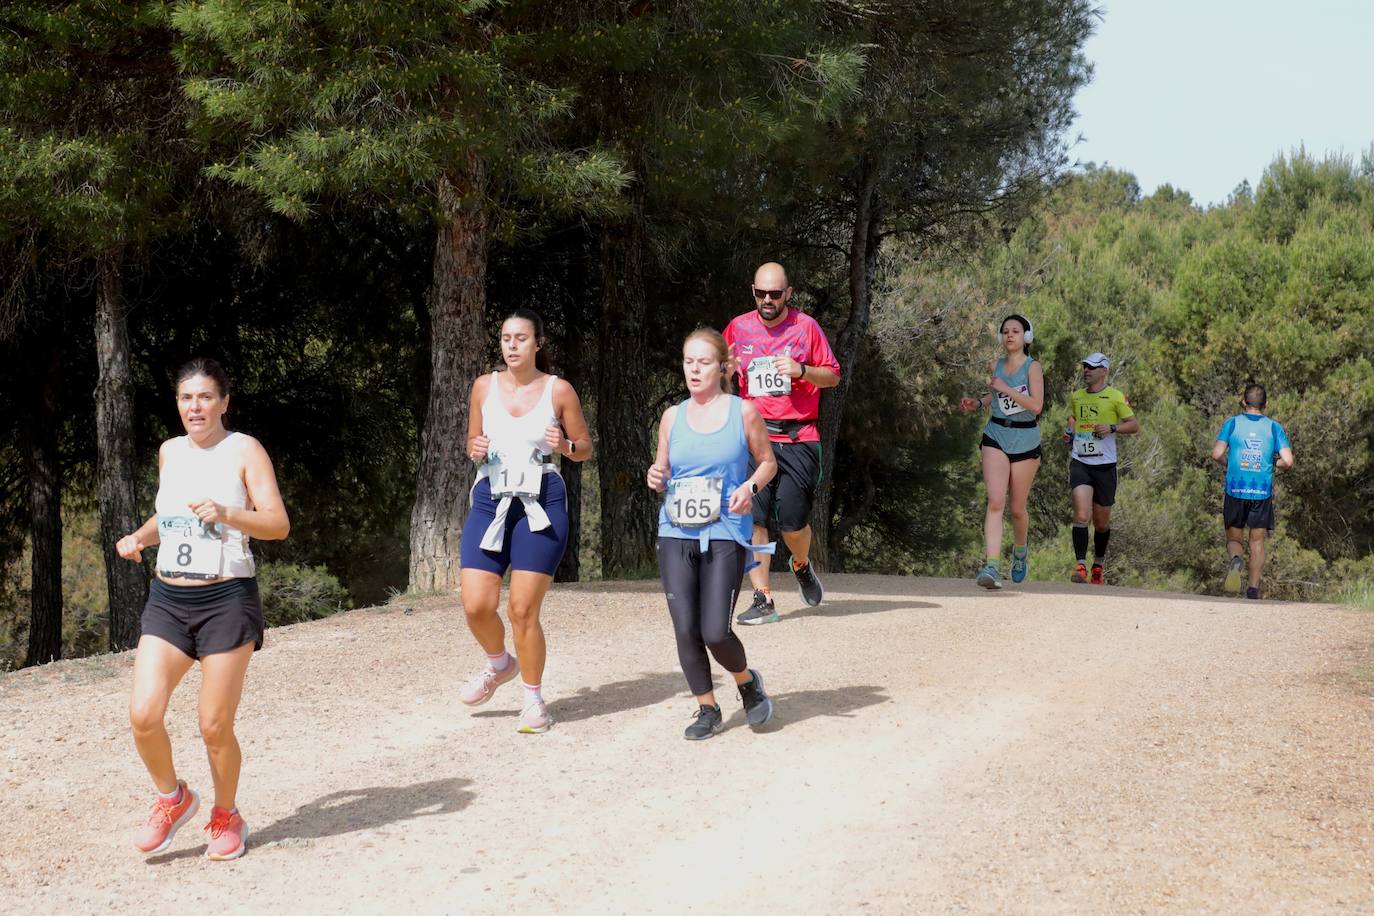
(1010, 446)
(704, 526)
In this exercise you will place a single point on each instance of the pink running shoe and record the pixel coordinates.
(165, 820)
(478, 690)
(535, 719)
(228, 835)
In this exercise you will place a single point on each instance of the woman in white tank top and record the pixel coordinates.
(517, 420)
(216, 490)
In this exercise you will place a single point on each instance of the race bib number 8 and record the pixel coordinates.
(189, 548)
(766, 380)
(522, 478)
(694, 501)
(1086, 445)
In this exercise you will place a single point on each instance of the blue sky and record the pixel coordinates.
(1206, 93)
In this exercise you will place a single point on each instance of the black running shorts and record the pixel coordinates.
(203, 620)
(786, 501)
(1101, 477)
(1248, 513)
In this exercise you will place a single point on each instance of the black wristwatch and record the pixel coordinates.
(801, 375)
(753, 487)
(1112, 427)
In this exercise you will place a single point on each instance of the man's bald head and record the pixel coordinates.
(770, 276)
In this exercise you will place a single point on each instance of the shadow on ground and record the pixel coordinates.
(352, 810)
(844, 607)
(800, 705)
(648, 689)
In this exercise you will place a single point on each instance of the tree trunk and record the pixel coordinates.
(45, 507)
(624, 423)
(863, 258)
(572, 369)
(126, 582)
(457, 341)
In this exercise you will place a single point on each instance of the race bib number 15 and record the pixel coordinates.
(766, 380)
(1086, 445)
(188, 547)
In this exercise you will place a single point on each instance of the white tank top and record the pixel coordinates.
(190, 475)
(514, 438)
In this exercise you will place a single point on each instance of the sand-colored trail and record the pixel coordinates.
(936, 748)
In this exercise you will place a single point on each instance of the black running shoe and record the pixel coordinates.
(706, 724)
(758, 708)
(1252, 593)
(811, 590)
(761, 611)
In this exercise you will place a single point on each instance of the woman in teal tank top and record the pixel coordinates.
(1010, 447)
(704, 526)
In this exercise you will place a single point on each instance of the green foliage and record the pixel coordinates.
(292, 593)
(1191, 305)
(404, 94)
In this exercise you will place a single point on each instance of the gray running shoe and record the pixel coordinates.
(758, 708)
(1232, 583)
(761, 611)
(989, 577)
(706, 724)
(811, 591)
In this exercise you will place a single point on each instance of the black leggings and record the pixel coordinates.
(701, 589)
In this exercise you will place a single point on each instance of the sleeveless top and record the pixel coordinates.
(189, 475)
(514, 439)
(723, 453)
(1012, 440)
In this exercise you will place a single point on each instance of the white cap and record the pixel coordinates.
(1096, 360)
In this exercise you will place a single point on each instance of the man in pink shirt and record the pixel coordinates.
(783, 360)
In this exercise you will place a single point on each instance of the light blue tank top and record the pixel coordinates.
(723, 454)
(1010, 440)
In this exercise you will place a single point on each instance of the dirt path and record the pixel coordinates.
(936, 748)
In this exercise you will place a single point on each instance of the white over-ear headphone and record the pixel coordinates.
(1025, 323)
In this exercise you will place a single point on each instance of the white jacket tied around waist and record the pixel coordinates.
(190, 475)
(515, 439)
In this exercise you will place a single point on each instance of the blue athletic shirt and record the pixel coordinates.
(723, 453)
(1252, 441)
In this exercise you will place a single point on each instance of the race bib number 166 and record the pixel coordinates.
(765, 379)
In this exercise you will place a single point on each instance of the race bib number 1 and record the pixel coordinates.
(188, 547)
(766, 380)
(694, 501)
(516, 478)
(1086, 445)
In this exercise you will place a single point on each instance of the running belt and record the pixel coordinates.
(1015, 424)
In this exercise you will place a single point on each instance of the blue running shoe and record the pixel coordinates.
(989, 577)
(1020, 563)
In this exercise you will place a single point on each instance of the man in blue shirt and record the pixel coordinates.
(1247, 445)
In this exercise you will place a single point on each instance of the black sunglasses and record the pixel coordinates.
(768, 293)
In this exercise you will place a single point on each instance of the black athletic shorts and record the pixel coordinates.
(1101, 477)
(203, 620)
(1248, 513)
(786, 501)
(1013, 457)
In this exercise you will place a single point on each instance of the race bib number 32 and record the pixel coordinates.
(188, 547)
(694, 501)
(1009, 406)
(766, 380)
